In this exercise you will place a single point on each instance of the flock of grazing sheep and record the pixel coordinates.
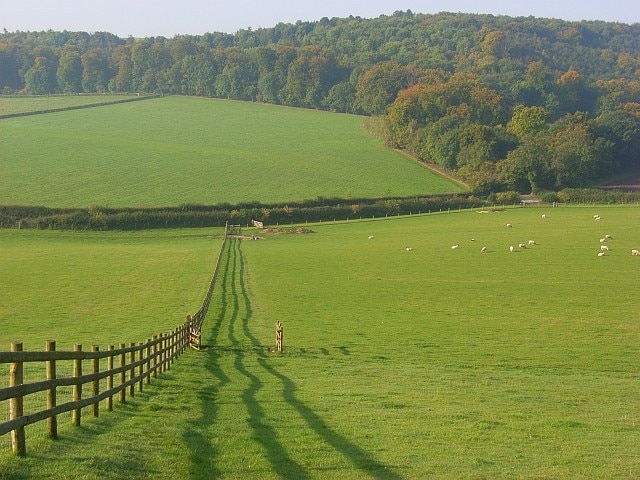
(603, 248)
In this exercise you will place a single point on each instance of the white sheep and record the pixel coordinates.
(370, 237)
(511, 249)
(483, 249)
(408, 249)
(604, 248)
(608, 237)
(597, 219)
(453, 247)
(601, 254)
(509, 225)
(544, 215)
(602, 240)
(532, 242)
(635, 252)
(596, 216)
(522, 245)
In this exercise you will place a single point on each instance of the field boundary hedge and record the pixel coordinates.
(306, 211)
(78, 107)
(197, 216)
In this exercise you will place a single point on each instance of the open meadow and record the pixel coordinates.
(399, 364)
(178, 150)
(100, 287)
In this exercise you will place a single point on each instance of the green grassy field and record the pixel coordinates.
(13, 105)
(434, 362)
(101, 288)
(176, 150)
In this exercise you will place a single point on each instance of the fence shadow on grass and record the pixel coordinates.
(234, 303)
(202, 453)
(361, 459)
(278, 456)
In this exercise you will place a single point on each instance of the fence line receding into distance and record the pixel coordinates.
(89, 377)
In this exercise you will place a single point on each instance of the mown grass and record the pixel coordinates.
(435, 362)
(99, 287)
(177, 150)
(15, 105)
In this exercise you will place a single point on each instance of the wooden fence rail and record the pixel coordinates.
(137, 363)
(197, 319)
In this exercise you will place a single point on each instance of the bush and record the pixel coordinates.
(509, 197)
(549, 197)
(596, 195)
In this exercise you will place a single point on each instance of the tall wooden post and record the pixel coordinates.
(155, 356)
(279, 335)
(123, 375)
(95, 385)
(147, 354)
(77, 387)
(52, 422)
(141, 366)
(132, 370)
(16, 405)
(163, 353)
(172, 348)
(110, 378)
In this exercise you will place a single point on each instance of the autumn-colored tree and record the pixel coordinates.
(379, 85)
(527, 120)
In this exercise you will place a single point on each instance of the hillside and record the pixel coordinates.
(182, 150)
(499, 83)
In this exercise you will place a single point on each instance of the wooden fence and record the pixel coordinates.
(136, 364)
(197, 319)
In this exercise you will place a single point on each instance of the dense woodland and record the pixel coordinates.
(519, 104)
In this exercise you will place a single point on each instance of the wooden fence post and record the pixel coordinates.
(163, 353)
(175, 339)
(167, 351)
(140, 367)
(95, 385)
(16, 404)
(77, 387)
(279, 336)
(110, 378)
(170, 344)
(132, 370)
(148, 357)
(123, 376)
(155, 356)
(52, 421)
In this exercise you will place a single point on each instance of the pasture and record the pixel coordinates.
(98, 287)
(177, 150)
(434, 362)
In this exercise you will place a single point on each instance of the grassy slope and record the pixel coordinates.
(435, 362)
(178, 150)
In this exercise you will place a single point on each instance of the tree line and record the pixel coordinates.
(505, 103)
